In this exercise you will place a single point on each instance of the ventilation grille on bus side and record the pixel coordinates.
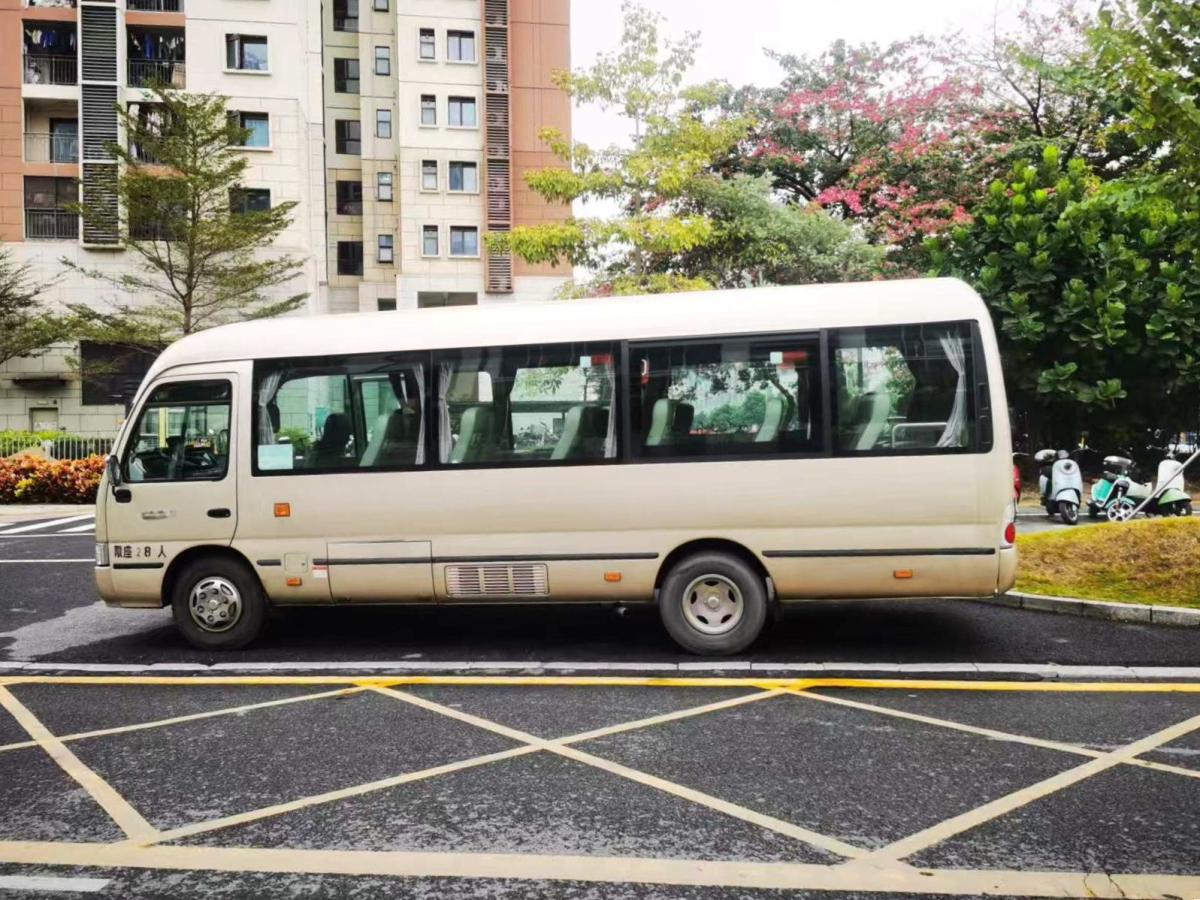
(524, 580)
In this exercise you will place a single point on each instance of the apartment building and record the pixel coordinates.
(401, 129)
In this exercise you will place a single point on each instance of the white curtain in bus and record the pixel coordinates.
(952, 435)
(421, 406)
(445, 439)
(267, 389)
(610, 440)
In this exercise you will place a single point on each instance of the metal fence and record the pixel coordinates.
(147, 72)
(155, 5)
(54, 148)
(46, 69)
(68, 446)
(51, 225)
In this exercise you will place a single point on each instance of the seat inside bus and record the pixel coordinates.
(585, 430)
(669, 421)
(776, 418)
(395, 439)
(330, 449)
(864, 419)
(474, 433)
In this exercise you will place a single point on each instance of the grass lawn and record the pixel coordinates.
(1145, 561)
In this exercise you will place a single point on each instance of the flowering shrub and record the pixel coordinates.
(31, 479)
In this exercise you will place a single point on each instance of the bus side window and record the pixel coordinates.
(903, 389)
(182, 434)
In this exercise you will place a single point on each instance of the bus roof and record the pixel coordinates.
(728, 312)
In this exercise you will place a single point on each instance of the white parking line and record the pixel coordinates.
(81, 530)
(30, 562)
(47, 883)
(51, 524)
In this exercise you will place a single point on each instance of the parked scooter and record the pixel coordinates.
(1061, 484)
(1117, 494)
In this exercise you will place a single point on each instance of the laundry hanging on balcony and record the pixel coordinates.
(54, 41)
(156, 46)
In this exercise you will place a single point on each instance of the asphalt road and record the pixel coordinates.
(577, 790)
(49, 612)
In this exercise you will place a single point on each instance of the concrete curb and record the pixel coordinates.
(959, 671)
(1099, 609)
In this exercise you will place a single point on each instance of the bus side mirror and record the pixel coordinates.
(112, 468)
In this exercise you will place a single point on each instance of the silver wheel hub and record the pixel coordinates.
(215, 604)
(712, 604)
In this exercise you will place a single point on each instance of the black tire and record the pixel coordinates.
(1184, 509)
(731, 578)
(252, 614)
(1068, 511)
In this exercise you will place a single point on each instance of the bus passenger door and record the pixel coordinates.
(178, 488)
(381, 572)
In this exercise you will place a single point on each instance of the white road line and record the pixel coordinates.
(51, 524)
(47, 883)
(85, 528)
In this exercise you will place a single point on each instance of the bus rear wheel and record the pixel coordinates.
(218, 604)
(713, 604)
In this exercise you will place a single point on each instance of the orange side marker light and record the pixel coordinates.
(294, 582)
(283, 510)
(902, 573)
(612, 576)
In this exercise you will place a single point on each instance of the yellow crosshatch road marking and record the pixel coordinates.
(881, 870)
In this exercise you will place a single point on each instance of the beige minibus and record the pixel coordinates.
(713, 453)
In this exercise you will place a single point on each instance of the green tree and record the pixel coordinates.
(1094, 296)
(26, 328)
(680, 227)
(201, 258)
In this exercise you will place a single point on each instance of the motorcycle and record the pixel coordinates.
(1116, 495)
(1060, 483)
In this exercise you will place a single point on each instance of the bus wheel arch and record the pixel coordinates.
(713, 596)
(217, 599)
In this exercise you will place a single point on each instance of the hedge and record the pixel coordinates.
(31, 479)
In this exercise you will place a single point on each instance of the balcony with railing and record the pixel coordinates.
(171, 6)
(52, 4)
(144, 73)
(45, 68)
(51, 225)
(44, 147)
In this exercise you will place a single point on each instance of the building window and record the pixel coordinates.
(428, 44)
(349, 136)
(350, 257)
(245, 52)
(386, 248)
(464, 241)
(904, 388)
(46, 217)
(527, 404)
(110, 374)
(345, 76)
(428, 109)
(383, 60)
(727, 398)
(383, 123)
(345, 15)
(257, 124)
(429, 175)
(464, 177)
(382, 6)
(386, 304)
(462, 112)
(383, 186)
(460, 46)
(244, 200)
(430, 241)
(349, 198)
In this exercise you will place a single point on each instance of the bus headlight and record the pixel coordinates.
(101, 555)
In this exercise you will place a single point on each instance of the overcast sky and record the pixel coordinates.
(733, 34)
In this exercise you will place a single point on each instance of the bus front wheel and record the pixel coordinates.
(713, 604)
(218, 604)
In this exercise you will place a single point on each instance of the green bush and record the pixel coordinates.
(31, 479)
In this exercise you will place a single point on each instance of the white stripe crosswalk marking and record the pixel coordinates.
(80, 530)
(53, 523)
